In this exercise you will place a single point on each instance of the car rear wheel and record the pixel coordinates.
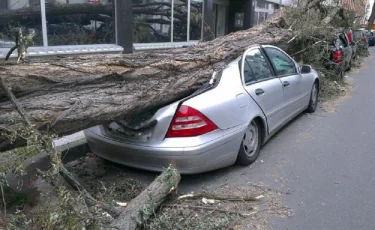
(341, 72)
(250, 146)
(349, 66)
(313, 103)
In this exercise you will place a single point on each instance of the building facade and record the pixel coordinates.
(264, 9)
(90, 26)
(359, 7)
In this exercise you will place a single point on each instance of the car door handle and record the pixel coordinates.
(286, 83)
(259, 92)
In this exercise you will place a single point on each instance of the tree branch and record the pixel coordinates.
(3, 196)
(219, 197)
(69, 178)
(13, 99)
(210, 208)
(331, 15)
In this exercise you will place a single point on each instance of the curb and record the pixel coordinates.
(72, 147)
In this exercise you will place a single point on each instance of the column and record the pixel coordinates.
(124, 24)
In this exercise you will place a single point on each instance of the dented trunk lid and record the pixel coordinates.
(151, 126)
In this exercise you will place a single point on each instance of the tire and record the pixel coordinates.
(340, 72)
(250, 145)
(349, 66)
(314, 98)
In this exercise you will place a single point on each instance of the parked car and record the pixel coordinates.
(340, 55)
(225, 122)
(360, 36)
(349, 37)
(371, 39)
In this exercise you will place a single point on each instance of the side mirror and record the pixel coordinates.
(305, 69)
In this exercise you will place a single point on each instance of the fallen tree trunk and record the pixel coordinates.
(69, 94)
(141, 208)
(331, 14)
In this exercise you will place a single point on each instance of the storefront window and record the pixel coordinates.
(238, 20)
(262, 17)
(79, 22)
(152, 21)
(180, 21)
(20, 14)
(255, 18)
(261, 4)
(271, 7)
(85, 22)
(196, 19)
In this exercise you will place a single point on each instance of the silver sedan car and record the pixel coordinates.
(225, 122)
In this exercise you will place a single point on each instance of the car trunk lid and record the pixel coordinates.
(147, 127)
(150, 127)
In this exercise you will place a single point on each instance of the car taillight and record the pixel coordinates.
(337, 56)
(189, 122)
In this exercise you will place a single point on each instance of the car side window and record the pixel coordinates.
(256, 67)
(337, 43)
(343, 40)
(282, 63)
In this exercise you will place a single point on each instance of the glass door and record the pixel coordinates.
(220, 20)
(196, 20)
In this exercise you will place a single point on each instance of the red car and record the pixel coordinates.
(340, 55)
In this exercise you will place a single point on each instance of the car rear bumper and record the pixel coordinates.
(218, 153)
(333, 65)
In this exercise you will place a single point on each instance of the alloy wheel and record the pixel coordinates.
(250, 140)
(314, 95)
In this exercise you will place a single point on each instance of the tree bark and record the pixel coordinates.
(331, 15)
(141, 208)
(371, 19)
(69, 94)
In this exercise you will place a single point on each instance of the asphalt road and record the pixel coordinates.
(326, 160)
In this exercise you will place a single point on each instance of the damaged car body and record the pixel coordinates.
(224, 123)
